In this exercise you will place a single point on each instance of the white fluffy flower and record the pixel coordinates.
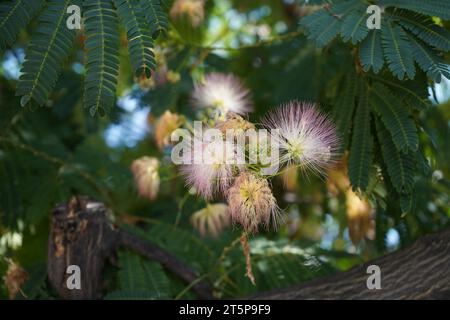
(306, 136)
(222, 93)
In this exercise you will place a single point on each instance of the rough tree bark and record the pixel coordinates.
(421, 271)
(82, 235)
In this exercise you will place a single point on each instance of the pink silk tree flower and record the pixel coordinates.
(146, 176)
(306, 137)
(164, 126)
(211, 220)
(222, 93)
(215, 171)
(251, 203)
(192, 10)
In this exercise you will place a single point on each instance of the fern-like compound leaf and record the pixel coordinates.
(425, 29)
(156, 16)
(400, 166)
(102, 57)
(429, 61)
(434, 8)
(397, 51)
(14, 16)
(371, 52)
(322, 27)
(395, 117)
(45, 55)
(140, 42)
(360, 158)
(354, 27)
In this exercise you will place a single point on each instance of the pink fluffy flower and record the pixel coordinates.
(251, 203)
(306, 137)
(222, 93)
(214, 173)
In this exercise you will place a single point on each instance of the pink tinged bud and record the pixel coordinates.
(146, 176)
(211, 220)
(251, 203)
(164, 127)
(223, 93)
(305, 135)
(192, 10)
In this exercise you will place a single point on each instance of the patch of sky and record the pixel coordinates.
(78, 67)
(235, 19)
(392, 239)
(11, 62)
(280, 27)
(331, 232)
(441, 91)
(260, 13)
(132, 127)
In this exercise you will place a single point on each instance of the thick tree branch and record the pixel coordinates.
(421, 271)
(82, 235)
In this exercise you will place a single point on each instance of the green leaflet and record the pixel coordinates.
(14, 16)
(45, 55)
(397, 50)
(322, 27)
(346, 7)
(407, 202)
(354, 27)
(141, 278)
(395, 117)
(370, 52)
(343, 111)
(429, 61)
(102, 63)
(140, 43)
(435, 8)
(425, 29)
(408, 91)
(400, 166)
(156, 17)
(185, 245)
(360, 158)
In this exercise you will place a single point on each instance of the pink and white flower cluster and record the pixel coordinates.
(304, 136)
(234, 163)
